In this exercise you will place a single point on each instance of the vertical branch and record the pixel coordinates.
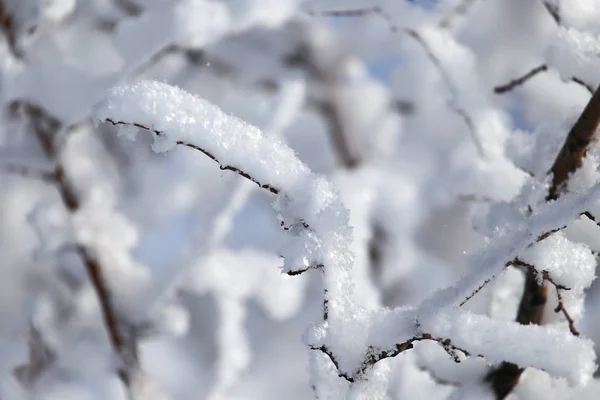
(45, 128)
(452, 89)
(339, 134)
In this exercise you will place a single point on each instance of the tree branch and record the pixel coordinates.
(205, 152)
(45, 127)
(501, 89)
(581, 136)
(560, 307)
(7, 25)
(553, 11)
(373, 357)
(531, 308)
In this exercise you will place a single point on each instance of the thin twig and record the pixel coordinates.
(451, 88)
(577, 143)
(560, 307)
(205, 152)
(374, 356)
(469, 297)
(501, 89)
(587, 87)
(325, 350)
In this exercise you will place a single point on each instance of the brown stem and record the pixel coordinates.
(576, 145)
(45, 127)
(7, 25)
(309, 57)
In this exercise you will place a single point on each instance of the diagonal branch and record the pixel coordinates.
(461, 112)
(561, 308)
(45, 127)
(580, 138)
(554, 11)
(458, 110)
(504, 378)
(501, 89)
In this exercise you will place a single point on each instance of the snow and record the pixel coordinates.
(523, 345)
(567, 263)
(182, 117)
(574, 54)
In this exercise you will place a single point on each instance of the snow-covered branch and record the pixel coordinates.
(177, 117)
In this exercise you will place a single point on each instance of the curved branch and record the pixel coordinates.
(205, 152)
